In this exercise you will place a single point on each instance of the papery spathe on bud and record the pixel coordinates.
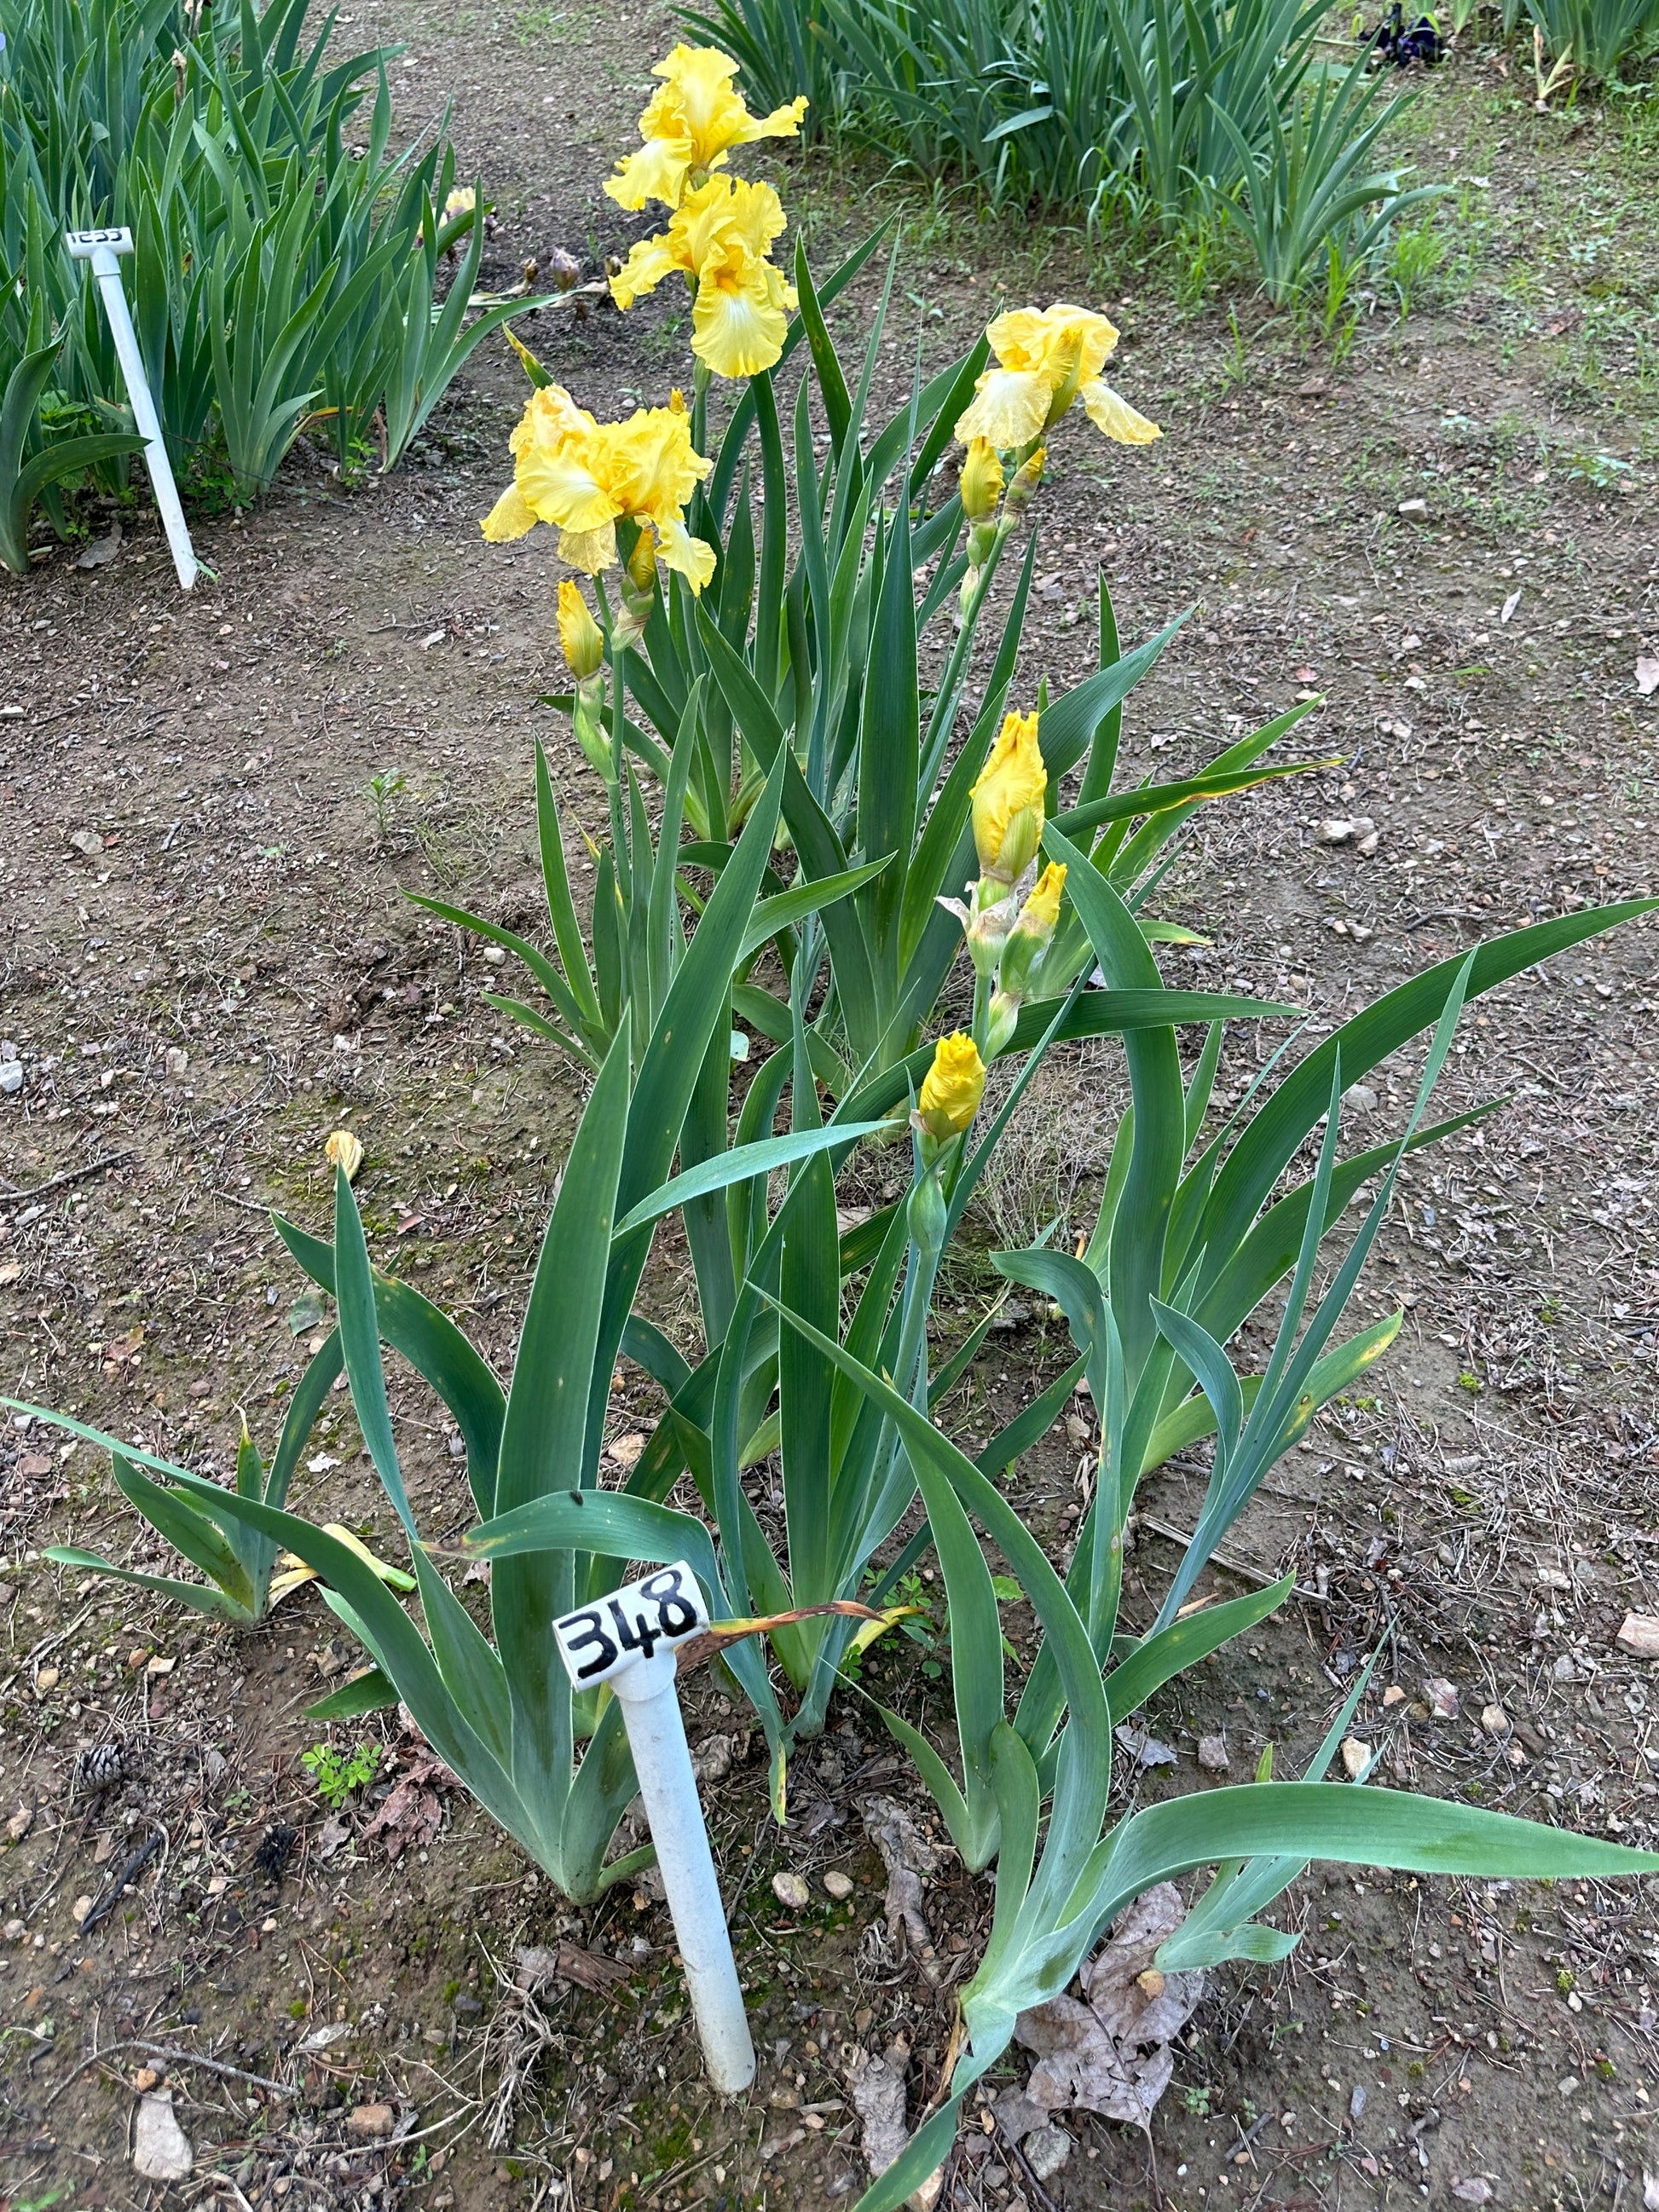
(952, 1087)
(1008, 801)
(1032, 933)
(580, 636)
(1027, 478)
(343, 1151)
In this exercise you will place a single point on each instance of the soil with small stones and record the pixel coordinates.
(209, 809)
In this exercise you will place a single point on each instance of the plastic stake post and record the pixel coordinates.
(101, 248)
(627, 1640)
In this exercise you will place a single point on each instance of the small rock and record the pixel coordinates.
(1413, 510)
(1442, 1697)
(1356, 1757)
(1213, 1753)
(1046, 2150)
(161, 2149)
(1356, 2102)
(1360, 1098)
(87, 842)
(1344, 830)
(177, 1060)
(625, 1450)
(1649, 2191)
(1394, 1695)
(1477, 2189)
(20, 1824)
(1494, 1720)
(370, 2123)
(791, 1891)
(1647, 675)
(145, 2078)
(47, 1679)
(839, 1885)
(11, 1077)
(711, 1759)
(15, 1931)
(79, 1910)
(1564, 1670)
(1640, 1634)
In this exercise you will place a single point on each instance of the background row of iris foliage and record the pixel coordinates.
(294, 270)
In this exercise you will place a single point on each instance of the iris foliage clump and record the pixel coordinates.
(810, 848)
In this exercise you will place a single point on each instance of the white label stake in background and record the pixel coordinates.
(627, 1639)
(102, 247)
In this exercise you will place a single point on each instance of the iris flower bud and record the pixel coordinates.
(1008, 802)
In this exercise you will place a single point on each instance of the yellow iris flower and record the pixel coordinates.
(719, 237)
(585, 477)
(952, 1087)
(691, 126)
(1046, 358)
(1007, 801)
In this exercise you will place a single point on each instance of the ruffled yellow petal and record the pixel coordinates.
(657, 172)
(549, 415)
(511, 517)
(690, 124)
(653, 468)
(590, 550)
(737, 329)
(1009, 408)
(783, 122)
(687, 555)
(1056, 342)
(561, 483)
(649, 260)
(1115, 417)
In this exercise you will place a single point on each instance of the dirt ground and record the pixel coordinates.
(207, 964)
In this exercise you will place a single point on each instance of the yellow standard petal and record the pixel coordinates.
(1115, 417)
(1009, 408)
(511, 517)
(580, 638)
(651, 463)
(1008, 801)
(952, 1087)
(1057, 341)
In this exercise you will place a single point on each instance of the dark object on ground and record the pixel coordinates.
(277, 1849)
(1396, 41)
(130, 1867)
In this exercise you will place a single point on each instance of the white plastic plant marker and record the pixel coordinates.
(627, 1640)
(102, 248)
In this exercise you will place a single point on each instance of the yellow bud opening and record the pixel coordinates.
(580, 635)
(344, 1151)
(952, 1087)
(1008, 801)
